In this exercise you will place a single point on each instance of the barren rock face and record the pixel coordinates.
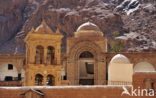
(17, 17)
(67, 15)
(142, 21)
(11, 18)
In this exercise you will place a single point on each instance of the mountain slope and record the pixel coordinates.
(67, 15)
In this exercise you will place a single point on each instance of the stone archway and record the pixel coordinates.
(73, 65)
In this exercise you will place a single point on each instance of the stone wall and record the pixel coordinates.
(139, 77)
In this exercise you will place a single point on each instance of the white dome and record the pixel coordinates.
(119, 58)
(144, 67)
(88, 26)
(88, 29)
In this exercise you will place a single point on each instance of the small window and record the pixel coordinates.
(8, 78)
(19, 76)
(10, 67)
(64, 77)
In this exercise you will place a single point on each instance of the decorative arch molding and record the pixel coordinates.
(86, 54)
(39, 74)
(35, 73)
(84, 46)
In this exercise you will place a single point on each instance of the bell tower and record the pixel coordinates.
(43, 52)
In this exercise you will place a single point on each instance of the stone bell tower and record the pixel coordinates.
(43, 51)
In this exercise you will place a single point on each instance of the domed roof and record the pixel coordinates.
(43, 28)
(144, 67)
(119, 58)
(88, 29)
(88, 26)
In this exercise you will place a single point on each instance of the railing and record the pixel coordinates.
(10, 83)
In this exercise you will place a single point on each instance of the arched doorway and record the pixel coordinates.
(86, 68)
(38, 80)
(74, 58)
(8, 72)
(50, 80)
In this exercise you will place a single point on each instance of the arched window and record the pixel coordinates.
(86, 54)
(51, 55)
(50, 80)
(39, 55)
(38, 80)
(148, 84)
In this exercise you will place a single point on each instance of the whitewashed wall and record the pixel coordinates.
(120, 72)
(5, 72)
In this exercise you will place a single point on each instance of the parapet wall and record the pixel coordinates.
(69, 92)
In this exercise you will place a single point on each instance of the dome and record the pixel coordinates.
(88, 26)
(119, 58)
(43, 28)
(88, 29)
(144, 67)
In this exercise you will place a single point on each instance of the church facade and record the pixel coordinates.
(86, 61)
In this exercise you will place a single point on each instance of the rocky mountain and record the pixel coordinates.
(17, 17)
(139, 17)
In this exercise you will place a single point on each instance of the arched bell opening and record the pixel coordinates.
(50, 80)
(38, 80)
(39, 58)
(51, 55)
